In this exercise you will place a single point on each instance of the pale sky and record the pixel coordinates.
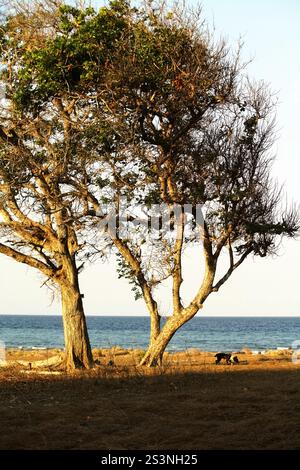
(271, 35)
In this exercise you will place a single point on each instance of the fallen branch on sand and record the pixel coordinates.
(53, 362)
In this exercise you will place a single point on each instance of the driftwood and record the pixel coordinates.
(53, 361)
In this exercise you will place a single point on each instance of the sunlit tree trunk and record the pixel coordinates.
(156, 349)
(155, 328)
(78, 353)
(77, 344)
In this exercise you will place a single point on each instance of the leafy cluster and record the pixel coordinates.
(125, 271)
(77, 56)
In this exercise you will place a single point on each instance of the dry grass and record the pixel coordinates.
(188, 404)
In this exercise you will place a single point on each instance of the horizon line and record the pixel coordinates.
(148, 316)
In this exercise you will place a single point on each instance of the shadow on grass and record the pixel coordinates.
(123, 408)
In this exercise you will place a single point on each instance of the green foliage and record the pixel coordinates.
(165, 109)
(102, 182)
(124, 271)
(88, 45)
(75, 59)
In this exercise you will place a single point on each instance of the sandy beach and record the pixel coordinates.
(188, 403)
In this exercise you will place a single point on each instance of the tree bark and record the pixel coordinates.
(78, 353)
(154, 354)
(154, 327)
(154, 333)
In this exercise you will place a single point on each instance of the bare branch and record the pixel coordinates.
(26, 259)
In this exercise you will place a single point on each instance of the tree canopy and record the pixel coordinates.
(144, 103)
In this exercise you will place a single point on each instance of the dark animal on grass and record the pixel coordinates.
(227, 357)
(220, 356)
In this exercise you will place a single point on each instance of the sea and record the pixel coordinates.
(205, 333)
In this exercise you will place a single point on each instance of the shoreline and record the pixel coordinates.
(243, 350)
(100, 315)
(125, 357)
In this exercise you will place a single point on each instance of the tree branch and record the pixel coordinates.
(137, 269)
(26, 259)
(232, 267)
(177, 272)
(222, 241)
(206, 285)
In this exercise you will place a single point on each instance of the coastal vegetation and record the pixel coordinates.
(141, 104)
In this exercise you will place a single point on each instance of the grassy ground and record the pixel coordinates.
(190, 403)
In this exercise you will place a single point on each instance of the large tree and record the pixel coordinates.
(42, 220)
(188, 129)
(197, 133)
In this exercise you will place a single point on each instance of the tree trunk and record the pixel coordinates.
(154, 354)
(154, 333)
(78, 353)
(181, 316)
